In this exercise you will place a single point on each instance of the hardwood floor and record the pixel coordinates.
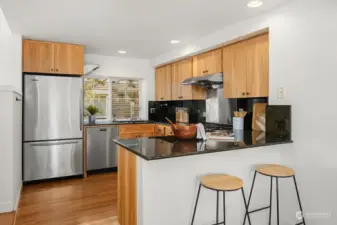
(90, 201)
(7, 218)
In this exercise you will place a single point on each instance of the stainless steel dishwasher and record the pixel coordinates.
(101, 150)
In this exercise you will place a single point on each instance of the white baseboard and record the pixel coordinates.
(18, 196)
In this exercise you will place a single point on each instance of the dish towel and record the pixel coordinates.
(201, 133)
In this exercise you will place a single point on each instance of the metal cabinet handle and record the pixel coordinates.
(17, 99)
(102, 129)
(162, 98)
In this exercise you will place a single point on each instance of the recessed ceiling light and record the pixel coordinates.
(174, 41)
(254, 4)
(122, 52)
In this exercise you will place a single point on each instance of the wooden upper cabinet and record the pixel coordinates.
(163, 80)
(235, 70)
(246, 68)
(69, 59)
(37, 56)
(207, 63)
(181, 71)
(53, 58)
(258, 66)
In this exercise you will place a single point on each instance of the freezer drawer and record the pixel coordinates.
(52, 159)
(101, 150)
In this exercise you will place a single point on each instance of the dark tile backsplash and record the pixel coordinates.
(158, 110)
(278, 118)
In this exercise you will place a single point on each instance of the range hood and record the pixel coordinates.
(212, 81)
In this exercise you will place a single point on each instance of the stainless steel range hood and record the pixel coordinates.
(212, 81)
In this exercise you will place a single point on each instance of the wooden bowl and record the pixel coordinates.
(184, 132)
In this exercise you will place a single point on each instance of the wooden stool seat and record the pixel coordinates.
(221, 182)
(275, 170)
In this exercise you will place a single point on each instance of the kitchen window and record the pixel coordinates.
(117, 99)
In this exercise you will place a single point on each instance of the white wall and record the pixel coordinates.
(10, 150)
(10, 56)
(127, 68)
(303, 59)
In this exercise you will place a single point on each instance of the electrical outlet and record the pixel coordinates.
(280, 93)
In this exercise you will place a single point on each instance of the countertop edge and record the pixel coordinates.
(204, 152)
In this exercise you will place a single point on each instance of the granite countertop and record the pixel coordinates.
(110, 122)
(154, 148)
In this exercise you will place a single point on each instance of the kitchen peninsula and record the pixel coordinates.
(157, 185)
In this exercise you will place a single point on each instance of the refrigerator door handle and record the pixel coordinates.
(81, 108)
(55, 143)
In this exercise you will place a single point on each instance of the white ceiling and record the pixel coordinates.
(143, 28)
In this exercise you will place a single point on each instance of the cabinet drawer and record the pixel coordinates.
(136, 128)
(130, 135)
(148, 134)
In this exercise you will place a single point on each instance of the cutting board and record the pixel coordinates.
(259, 110)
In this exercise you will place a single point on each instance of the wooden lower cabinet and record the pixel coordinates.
(163, 130)
(136, 128)
(129, 135)
(131, 131)
(127, 187)
(168, 131)
(148, 134)
(159, 130)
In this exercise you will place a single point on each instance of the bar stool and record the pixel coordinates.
(274, 171)
(224, 183)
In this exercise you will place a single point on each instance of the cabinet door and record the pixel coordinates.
(214, 62)
(68, 59)
(160, 130)
(199, 65)
(168, 131)
(180, 72)
(207, 63)
(258, 66)
(163, 80)
(38, 57)
(235, 70)
(185, 72)
(175, 83)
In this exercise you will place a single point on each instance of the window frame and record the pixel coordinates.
(109, 97)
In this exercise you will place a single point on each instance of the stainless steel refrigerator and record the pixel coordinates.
(53, 123)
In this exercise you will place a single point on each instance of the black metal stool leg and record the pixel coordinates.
(271, 199)
(250, 196)
(196, 203)
(246, 206)
(299, 200)
(278, 203)
(224, 207)
(217, 207)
